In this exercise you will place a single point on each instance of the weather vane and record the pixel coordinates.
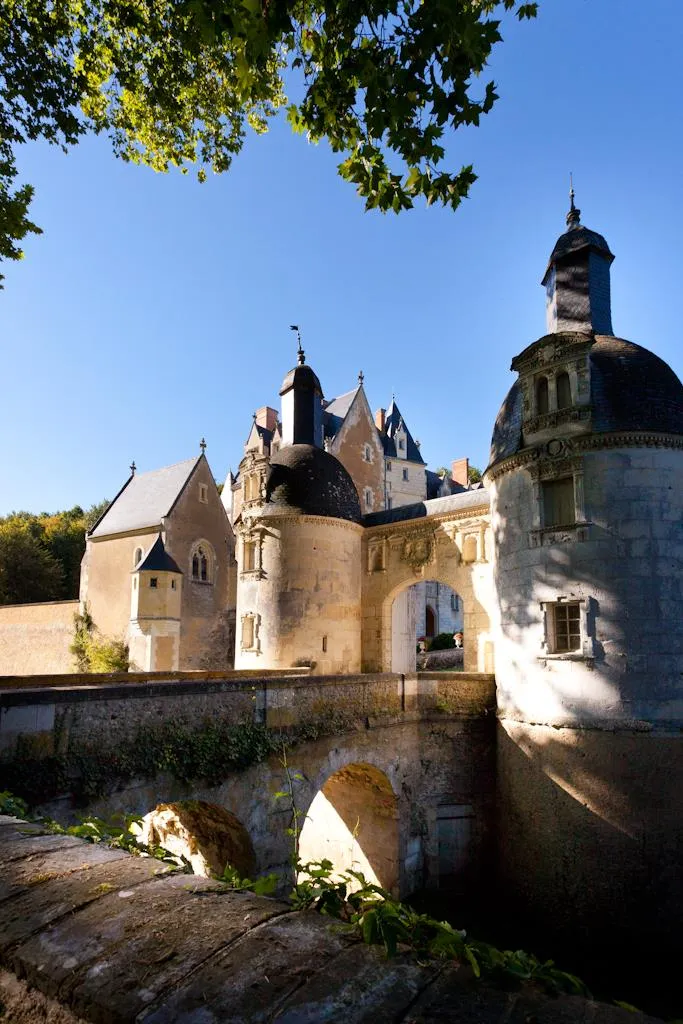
(361, 377)
(300, 351)
(133, 467)
(202, 445)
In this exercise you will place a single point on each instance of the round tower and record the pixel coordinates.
(299, 549)
(586, 483)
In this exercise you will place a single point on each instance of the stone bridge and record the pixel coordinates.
(447, 540)
(390, 773)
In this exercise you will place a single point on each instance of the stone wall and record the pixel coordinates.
(35, 638)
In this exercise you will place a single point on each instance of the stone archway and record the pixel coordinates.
(353, 822)
(208, 836)
(399, 555)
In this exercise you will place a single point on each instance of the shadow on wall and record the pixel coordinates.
(353, 822)
(590, 848)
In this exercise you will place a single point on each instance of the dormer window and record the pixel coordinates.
(542, 403)
(401, 444)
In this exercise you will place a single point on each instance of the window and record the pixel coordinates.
(154, 582)
(249, 556)
(401, 444)
(405, 474)
(367, 453)
(541, 395)
(455, 603)
(173, 585)
(469, 548)
(388, 467)
(564, 391)
(558, 502)
(566, 627)
(204, 493)
(324, 645)
(137, 557)
(202, 563)
(368, 499)
(249, 640)
(389, 503)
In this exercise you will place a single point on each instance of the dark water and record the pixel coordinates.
(648, 978)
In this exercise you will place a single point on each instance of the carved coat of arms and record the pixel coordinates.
(418, 551)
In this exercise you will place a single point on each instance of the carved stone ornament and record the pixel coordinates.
(418, 550)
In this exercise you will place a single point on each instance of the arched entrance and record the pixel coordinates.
(353, 822)
(419, 612)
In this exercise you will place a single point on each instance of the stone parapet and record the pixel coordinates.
(118, 939)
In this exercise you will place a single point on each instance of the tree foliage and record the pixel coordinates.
(177, 82)
(40, 555)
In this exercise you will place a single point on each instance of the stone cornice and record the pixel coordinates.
(587, 443)
(425, 523)
(257, 521)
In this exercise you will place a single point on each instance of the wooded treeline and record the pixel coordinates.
(40, 555)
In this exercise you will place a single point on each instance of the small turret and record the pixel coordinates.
(302, 404)
(154, 631)
(577, 279)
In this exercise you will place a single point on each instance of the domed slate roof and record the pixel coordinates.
(303, 378)
(308, 480)
(631, 389)
(578, 238)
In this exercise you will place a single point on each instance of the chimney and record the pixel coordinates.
(460, 472)
(266, 417)
(380, 418)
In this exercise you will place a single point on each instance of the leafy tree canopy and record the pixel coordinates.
(177, 82)
(40, 555)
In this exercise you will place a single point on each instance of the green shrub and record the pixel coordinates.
(441, 642)
(95, 653)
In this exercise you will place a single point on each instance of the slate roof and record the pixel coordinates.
(578, 238)
(336, 410)
(630, 389)
(145, 499)
(441, 487)
(392, 421)
(309, 480)
(157, 559)
(433, 507)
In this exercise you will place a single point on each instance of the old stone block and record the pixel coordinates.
(27, 913)
(249, 981)
(358, 987)
(31, 870)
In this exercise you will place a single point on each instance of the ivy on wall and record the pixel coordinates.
(210, 753)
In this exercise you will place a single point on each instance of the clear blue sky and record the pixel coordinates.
(154, 310)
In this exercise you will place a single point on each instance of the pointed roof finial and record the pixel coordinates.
(300, 352)
(574, 215)
(361, 377)
(133, 467)
(202, 445)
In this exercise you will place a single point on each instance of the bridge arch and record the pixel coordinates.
(353, 821)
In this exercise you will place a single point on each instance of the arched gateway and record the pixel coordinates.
(446, 540)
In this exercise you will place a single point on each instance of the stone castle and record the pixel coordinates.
(568, 564)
